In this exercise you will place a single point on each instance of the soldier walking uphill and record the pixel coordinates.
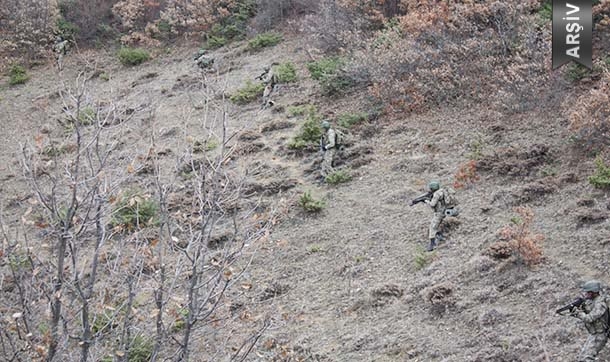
(269, 78)
(444, 203)
(328, 144)
(60, 48)
(593, 311)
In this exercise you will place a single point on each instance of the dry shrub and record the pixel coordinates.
(26, 28)
(446, 52)
(589, 116)
(519, 238)
(466, 174)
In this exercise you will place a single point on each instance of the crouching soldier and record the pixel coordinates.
(594, 314)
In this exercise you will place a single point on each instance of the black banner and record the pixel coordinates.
(572, 32)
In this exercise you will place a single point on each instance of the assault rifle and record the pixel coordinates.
(422, 198)
(576, 303)
(322, 144)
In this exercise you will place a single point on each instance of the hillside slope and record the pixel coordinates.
(351, 283)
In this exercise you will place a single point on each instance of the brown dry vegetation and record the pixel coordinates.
(145, 217)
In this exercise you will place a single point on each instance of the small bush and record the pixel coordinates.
(294, 111)
(324, 67)
(134, 210)
(215, 42)
(87, 116)
(67, 29)
(601, 177)
(206, 145)
(348, 120)
(315, 249)
(286, 73)
(576, 72)
(546, 10)
(17, 75)
(422, 258)
(335, 85)
(250, 92)
(297, 144)
(264, 40)
(310, 131)
(140, 349)
(309, 204)
(338, 177)
(133, 56)
(518, 237)
(466, 174)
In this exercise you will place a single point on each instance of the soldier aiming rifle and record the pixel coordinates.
(592, 309)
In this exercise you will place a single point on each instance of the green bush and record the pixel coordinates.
(286, 73)
(310, 131)
(87, 116)
(347, 120)
(309, 204)
(601, 177)
(324, 67)
(133, 210)
(264, 40)
(250, 92)
(576, 72)
(338, 177)
(17, 75)
(422, 258)
(140, 349)
(335, 84)
(67, 30)
(133, 56)
(215, 42)
(294, 111)
(297, 144)
(546, 10)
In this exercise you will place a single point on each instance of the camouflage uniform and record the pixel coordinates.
(60, 48)
(269, 79)
(437, 203)
(203, 61)
(593, 314)
(329, 152)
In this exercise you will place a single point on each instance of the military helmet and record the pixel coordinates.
(592, 286)
(325, 124)
(434, 185)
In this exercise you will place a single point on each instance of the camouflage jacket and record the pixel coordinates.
(330, 139)
(594, 313)
(438, 201)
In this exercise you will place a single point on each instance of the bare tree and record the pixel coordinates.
(74, 192)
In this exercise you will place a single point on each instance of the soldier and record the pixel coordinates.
(328, 146)
(269, 78)
(60, 48)
(444, 203)
(202, 60)
(594, 313)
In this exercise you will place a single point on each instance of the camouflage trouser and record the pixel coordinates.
(327, 162)
(435, 223)
(594, 344)
(60, 58)
(267, 102)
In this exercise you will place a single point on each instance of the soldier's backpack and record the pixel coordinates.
(451, 200)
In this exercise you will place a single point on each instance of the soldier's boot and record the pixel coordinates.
(432, 244)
